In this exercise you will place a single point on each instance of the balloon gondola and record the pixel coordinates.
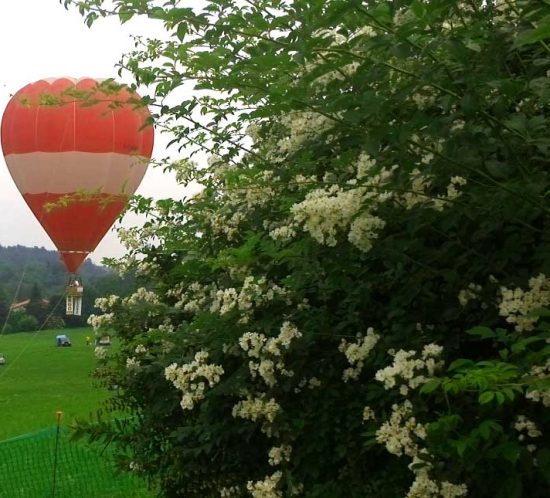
(76, 150)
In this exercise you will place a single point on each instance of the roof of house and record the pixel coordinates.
(21, 305)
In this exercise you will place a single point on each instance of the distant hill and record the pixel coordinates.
(36, 265)
(24, 270)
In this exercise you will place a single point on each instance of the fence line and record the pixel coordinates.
(82, 470)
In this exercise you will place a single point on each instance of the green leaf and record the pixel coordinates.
(430, 386)
(541, 32)
(510, 451)
(418, 8)
(125, 14)
(486, 397)
(482, 332)
(459, 364)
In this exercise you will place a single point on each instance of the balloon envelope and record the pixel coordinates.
(77, 150)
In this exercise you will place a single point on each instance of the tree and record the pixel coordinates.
(37, 307)
(20, 321)
(4, 306)
(356, 302)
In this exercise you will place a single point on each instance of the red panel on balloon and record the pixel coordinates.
(76, 222)
(64, 116)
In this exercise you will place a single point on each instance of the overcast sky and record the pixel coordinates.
(40, 39)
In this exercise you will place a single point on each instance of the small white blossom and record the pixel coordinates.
(516, 304)
(357, 352)
(268, 488)
(279, 454)
(100, 352)
(368, 414)
(523, 424)
(192, 378)
(256, 408)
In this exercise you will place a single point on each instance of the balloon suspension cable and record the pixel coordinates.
(73, 300)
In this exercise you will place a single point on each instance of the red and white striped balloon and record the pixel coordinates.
(77, 150)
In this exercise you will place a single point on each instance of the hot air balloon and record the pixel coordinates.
(76, 150)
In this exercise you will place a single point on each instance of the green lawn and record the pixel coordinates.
(37, 380)
(40, 379)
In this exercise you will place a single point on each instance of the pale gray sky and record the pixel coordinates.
(40, 39)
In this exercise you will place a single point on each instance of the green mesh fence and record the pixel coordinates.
(82, 470)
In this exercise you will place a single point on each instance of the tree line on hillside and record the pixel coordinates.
(36, 275)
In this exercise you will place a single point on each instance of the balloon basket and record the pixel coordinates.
(73, 300)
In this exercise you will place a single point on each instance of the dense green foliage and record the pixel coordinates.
(356, 304)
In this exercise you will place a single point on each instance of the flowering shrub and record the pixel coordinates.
(356, 302)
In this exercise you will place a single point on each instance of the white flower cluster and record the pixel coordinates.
(130, 238)
(453, 193)
(106, 303)
(257, 408)
(516, 305)
(458, 125)
(259, 193)
(357, 352)
(401, 432)
(340, 74)
(301, 127)
(364, 229)
(132, 364)
(266, 350)
(230, 492)
(507, 10)
(223, 224)
(364, 166)
(100, 352)
(266, 488)
(145, 268)
(420, 183)
(101, 321)
(403, 16)
(279, 454)
(325, 211)
(191, 378)
(540, 396)
(166, 326)
(140, 349)
(142, 295)
(254, 293)
(469, 294)
(368, 414)
(312, 383)
(402, 435)
(424, 97)
(410, 368)
(417, 194)
(424, 487)
(283, 233)
(523, 424)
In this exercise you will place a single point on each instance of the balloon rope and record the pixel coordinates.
(10, 364)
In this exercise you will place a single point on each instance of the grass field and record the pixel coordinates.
(39, 379)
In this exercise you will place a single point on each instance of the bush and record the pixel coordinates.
(356, 301)
(22, 322)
